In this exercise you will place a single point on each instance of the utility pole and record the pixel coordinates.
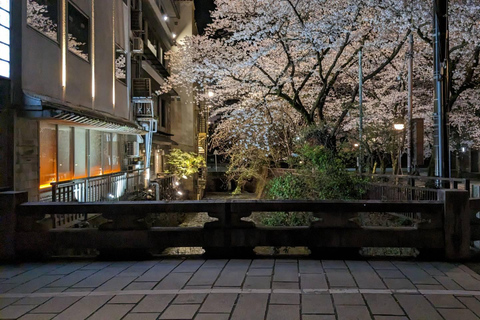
(410, 104)
(441, 76)
(360, 109)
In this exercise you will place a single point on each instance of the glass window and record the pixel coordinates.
(65, 153)
(5, 5)
(43, 16)
(78, 32)
(48, 154)
(95, 153)
(120, 65)
(4, 69)
(116, 152)
(4, 35)
(5, 18)
(107, 153)
(80, 142)
(4, 52)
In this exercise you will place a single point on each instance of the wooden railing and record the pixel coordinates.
(444, 226)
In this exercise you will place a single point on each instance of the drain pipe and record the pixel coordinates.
(157, 190)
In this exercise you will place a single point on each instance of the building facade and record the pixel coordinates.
(77, 79)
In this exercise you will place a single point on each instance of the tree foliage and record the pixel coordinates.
(184, 163)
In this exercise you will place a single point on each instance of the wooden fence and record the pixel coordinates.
(444, 225)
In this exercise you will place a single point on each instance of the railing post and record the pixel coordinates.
(8, 220)
(54, 192)
(456, 224)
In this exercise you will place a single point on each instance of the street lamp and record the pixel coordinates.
(399, 126)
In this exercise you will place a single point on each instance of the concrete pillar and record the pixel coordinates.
(9, 202)
(456, 224)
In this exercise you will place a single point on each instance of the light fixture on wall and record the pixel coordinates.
(174, 35)
(165, 17)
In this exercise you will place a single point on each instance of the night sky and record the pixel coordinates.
(202, 13)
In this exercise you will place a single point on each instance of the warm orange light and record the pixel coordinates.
(45, 186)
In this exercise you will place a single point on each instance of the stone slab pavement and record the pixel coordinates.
(239, 289)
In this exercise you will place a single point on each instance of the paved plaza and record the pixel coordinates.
(239, 289)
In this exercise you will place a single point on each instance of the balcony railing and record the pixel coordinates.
(107, 187)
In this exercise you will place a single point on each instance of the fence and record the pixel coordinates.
(102, 188)
(404, 187)
(445, 226)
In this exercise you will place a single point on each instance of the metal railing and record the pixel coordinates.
(102, 188)
(114, 186)
(405, 187)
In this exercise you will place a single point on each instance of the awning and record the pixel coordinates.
(45, 108)
(99, 123)
(162, 138)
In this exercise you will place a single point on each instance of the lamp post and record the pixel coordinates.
(399, 126)
(360, 111)
(442, 88)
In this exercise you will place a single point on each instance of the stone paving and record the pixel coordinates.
(239, 289)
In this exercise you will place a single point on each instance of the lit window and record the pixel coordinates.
(80, 161)
(4, 69)
(5, 5)
(4, 52)
(5, 18)
(95, 152)
(65, 153)
(4, 35)
(48, 154)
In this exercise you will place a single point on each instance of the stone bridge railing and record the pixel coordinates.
(444, 226)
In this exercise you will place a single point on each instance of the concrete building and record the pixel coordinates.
(77, 107)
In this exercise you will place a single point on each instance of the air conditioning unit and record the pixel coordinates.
(137, 45)
(133, 149)
(142, 88)
(137, 21)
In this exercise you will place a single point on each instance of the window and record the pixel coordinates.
(65, 153)
(78, 32)
(5, 38)
(68, 153)
(48, 154)
(42, 15)
(116, 140)
(95, 152)
(80, 161)
(120, 65)
(107, 152)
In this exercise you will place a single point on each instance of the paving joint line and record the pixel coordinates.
(241, 291)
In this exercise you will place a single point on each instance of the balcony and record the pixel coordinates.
(152, 59)
(114, 186)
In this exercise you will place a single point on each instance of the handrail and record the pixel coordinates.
(99, 177)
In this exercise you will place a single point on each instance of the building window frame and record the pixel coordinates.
(84, 56)
(57, 38)
(117, 157)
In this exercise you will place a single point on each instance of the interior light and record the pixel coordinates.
(165, 17)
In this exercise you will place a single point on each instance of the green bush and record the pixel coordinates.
(320, 175)
(277, 219)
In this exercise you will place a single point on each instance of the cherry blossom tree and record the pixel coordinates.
(278, 66)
